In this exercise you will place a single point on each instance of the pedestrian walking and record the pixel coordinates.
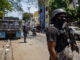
(34, 31)
(33, 28)
(25, 31)
(58, 35)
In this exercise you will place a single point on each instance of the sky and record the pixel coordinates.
(24, 6)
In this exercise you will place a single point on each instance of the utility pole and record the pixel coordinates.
(31, 3)
(29, 11)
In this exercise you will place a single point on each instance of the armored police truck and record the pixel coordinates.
(10, 28)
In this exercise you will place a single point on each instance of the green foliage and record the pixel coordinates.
(72, 13)
(1, 15)
(26, 16)
(5, 5)
(9, 5)
(78, 11)
(57, 4)
(41, 2)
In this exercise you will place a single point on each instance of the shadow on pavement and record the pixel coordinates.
(22, 42)
(9, 39)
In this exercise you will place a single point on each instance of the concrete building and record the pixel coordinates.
(32, 22)
(73, 3)
(46, 13)
(36, 18)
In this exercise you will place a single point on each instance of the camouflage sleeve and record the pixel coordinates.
(51, 34)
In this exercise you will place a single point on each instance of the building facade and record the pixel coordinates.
(42, 13)
(36, 18)
(46, 13)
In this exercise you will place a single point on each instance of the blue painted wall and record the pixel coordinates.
(42, 17)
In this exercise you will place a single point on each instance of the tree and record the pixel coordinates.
(26, 16)
(5, 5)
(53, 4)
(78, 10)
(16, 5)
(71, 12)
(10, 5)
(41, 2)
(1, 15)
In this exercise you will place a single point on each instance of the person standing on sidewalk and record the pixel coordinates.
(57, 37)
(33, 27)
(25, 31)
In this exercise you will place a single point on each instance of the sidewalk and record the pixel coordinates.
(33, 50)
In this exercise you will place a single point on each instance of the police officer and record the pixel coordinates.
(58, 35)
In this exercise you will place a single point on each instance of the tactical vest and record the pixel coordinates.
(62, 41)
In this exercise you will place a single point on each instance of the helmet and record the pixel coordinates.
(57, 11)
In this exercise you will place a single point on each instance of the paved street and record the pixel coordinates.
(34, 49)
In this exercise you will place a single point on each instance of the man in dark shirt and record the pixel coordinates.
(57, 37)
(25, 31)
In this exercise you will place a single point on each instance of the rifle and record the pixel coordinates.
(74, 46)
